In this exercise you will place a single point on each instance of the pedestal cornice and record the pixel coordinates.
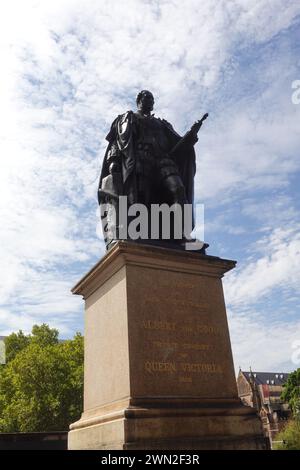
(126, 253)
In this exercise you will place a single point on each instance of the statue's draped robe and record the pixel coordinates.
(122, 133)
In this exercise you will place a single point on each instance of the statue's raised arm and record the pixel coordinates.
(191, 135)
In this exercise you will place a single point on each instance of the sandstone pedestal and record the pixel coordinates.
(158, 364)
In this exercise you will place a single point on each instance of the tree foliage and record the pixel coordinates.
(291, 392)
(41, 386)
(289, 438)
(14, 343)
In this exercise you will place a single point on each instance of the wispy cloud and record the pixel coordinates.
(277, 267)
(262, 344)
(72, 66)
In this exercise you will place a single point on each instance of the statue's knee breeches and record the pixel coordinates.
(175, 188)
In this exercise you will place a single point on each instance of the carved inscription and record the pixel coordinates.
(177, 345)
(159, 325)
(188, 328)
(175, 356)
(173, 367)
(178, 302)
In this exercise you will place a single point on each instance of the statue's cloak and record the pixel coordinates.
(122, 133)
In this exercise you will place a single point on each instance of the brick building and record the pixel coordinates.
(262, 390)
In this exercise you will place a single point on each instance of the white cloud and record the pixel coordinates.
(261, 344)
(278, 267)
(71, 67)
(261, 20)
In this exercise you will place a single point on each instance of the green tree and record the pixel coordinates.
(289, 438)
(44, 335)
(14, 343)
(291, 392)
(41, 386)
(41, 334)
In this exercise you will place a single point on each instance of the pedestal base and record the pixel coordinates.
(212, 426)
(158, 365)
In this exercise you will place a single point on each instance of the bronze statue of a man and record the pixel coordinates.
(146, 160)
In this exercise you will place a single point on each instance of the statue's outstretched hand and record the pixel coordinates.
(190, 137)
(196, 126)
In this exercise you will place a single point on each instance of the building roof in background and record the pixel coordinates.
(266, 378)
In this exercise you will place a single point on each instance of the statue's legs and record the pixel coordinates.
(176, 195)
(144, 192)
(158, 179)
(175, 189)
(145, 171)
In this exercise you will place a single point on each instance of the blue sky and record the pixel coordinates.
(69, 67)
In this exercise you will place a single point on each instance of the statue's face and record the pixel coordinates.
(146, 102)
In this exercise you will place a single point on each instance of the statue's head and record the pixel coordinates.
(145, 101)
